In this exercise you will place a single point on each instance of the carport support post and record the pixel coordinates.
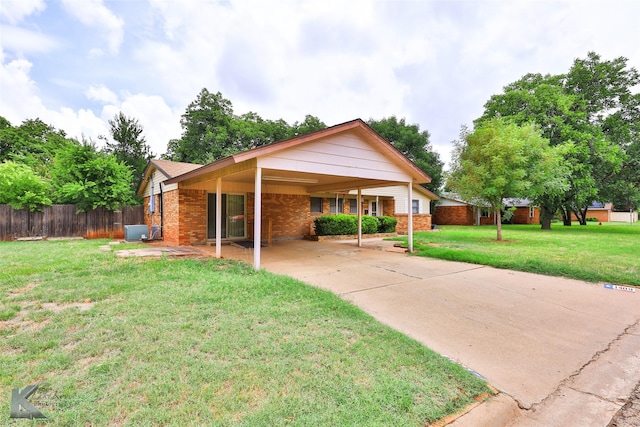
(257, 219)
(219, 218)
(410, 218)
(359, 217)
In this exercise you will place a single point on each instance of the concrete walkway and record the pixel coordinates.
(560, 351)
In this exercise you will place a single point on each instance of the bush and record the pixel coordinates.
(343, 224)
(591, 219)
(386, 224)
(369, 225)
(335, 225)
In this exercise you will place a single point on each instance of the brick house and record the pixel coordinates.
(275, 191)
(451, 210)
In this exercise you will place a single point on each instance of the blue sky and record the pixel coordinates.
(76, 63)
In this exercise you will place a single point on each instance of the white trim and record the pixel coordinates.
(219, 218)
(410, 219)
(257, 219)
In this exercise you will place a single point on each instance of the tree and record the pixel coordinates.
(89, 179)
(592, 109)
(22, 188)
(205, 130)
(33, 143)
(502, 160)
(129, 146)
(414, 144)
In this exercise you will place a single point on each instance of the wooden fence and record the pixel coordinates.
(64, 221)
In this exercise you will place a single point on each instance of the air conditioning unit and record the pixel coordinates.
(134, 233)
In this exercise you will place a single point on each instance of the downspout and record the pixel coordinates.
(161, 211)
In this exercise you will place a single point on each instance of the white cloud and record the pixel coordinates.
(25, 41)
(19, 93)
(14, 11)
(93, 13)
(159, 122)
(102, 94)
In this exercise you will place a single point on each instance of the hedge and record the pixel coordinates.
(344, 224)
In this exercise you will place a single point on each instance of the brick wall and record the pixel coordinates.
(455, 215)
(155, 218)
(171, 229)
(290, 215)
(601, 214)
(421, 222)
(192, 217)
(522, 216)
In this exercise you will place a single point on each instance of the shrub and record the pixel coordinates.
(334, 225)
(343, 224)
(369, 225)
(591, 219)
(386, 224)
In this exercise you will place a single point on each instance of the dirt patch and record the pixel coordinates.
(157, 251)
(629, 414)
(22, 323)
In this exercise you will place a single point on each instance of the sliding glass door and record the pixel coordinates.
(233, 216)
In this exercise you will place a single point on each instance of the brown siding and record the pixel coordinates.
(601, 214)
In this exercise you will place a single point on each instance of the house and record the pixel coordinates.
(275, 191)
(452, 210)
(606, 212)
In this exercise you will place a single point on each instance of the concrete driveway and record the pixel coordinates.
(567, 352)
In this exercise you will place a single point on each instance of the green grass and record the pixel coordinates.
(193, 342)
(608, 253)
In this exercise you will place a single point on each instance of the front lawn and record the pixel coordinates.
(607, 253)
(193, 342)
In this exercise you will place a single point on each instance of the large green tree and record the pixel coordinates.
(22, 188)
(501, 160)
(413, 143)
(205, 130)
(33, 143)
(211, 130)
(129, 146)
(89, 178)
(592, 109)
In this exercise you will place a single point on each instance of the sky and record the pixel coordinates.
(76, 63)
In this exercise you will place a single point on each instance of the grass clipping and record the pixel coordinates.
(205, 342)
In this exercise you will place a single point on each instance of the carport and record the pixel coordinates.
(346, 157)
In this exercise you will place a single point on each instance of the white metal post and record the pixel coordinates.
(410, 218)
(359, 217)
(219, 218)
(257, 219)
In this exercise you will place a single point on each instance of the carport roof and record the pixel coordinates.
(357, 126)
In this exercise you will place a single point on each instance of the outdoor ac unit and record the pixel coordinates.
(133, 233)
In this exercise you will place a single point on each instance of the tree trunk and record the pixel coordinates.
(545, 218)
(582, 215)
(566, 216)
(499, 224)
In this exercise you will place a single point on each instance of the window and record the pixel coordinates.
(332, 205)
(373, 209)
(531, 212)
(415, 206)
(353, 206)
(484, 212)
(316, 205)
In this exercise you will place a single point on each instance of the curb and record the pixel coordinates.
(498, 411)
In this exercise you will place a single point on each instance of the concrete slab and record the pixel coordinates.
(535, 338)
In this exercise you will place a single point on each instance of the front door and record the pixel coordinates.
(233, 220)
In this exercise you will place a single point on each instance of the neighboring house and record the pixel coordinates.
(279, 188)
(606, 212)
(452, 210)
